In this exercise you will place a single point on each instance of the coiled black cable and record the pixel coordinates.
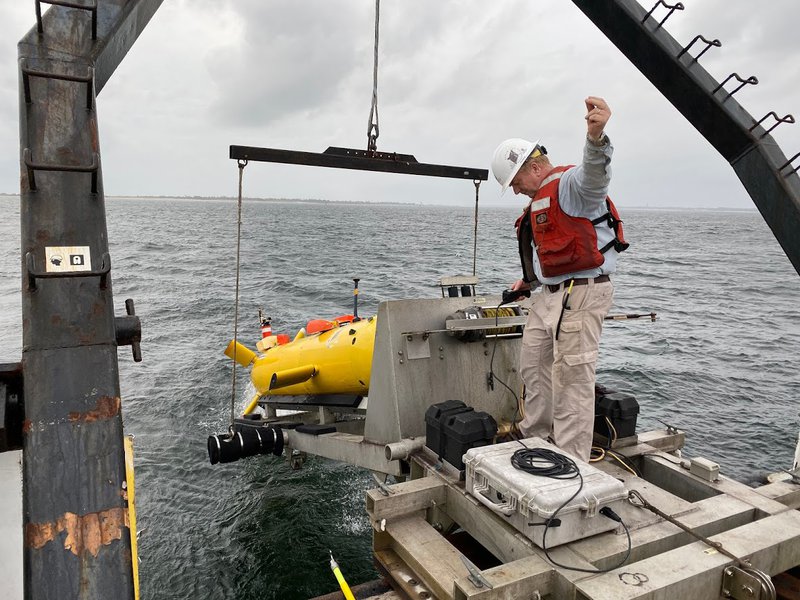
(546, 463)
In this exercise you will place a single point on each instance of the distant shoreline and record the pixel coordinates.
(247, 198)
(366, 203)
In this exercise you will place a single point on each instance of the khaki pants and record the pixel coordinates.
(559, 374)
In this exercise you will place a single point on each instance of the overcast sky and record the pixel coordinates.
(456, 77)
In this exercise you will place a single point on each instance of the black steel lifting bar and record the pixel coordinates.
(752, 80)
(33, 167)
(671, 7)
(90, 7)
(360, 160)
(33, 274)
(88, 79)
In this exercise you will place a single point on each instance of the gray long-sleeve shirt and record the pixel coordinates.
(582, 192)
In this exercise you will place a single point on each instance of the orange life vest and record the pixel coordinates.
(564, 244)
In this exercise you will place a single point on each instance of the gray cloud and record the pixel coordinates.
(291, 58)
(456, 78)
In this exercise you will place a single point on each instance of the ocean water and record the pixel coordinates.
(718, 362)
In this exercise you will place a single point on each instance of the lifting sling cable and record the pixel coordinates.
(242, 164)
(477, 183)
(358, 159)
(370, 159)
(372, 126)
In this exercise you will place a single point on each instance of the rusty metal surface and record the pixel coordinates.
(77, 539)
(82, 533)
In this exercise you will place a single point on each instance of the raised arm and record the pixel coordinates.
(588, 182)
(597, 115)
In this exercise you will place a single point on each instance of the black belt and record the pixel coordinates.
(554, 287)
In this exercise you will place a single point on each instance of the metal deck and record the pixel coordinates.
(760, 525)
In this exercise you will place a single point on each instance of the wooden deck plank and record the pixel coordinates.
(708, 517)
(694, 571)
(405, 498)
(436, 561)
(401, 576)
(518, 579)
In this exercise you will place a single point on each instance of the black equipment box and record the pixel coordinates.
(452, 428)
(619, 408)
(434, 422)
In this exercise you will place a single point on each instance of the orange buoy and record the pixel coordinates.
(319, 325)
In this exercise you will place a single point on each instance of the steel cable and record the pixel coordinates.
(242, 164)
(372, 138)
(477, 183)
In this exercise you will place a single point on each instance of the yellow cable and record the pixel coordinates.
(601, 454)
(622, 462)
(340, 578)
(343, 584)
(613, 431)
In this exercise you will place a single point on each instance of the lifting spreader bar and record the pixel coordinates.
(360, 160)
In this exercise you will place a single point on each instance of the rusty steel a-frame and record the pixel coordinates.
(75, 516)
(765, 172)
(77, 542)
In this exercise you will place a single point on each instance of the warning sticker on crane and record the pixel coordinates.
(61, 259)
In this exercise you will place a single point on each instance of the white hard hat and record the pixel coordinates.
(508, 159)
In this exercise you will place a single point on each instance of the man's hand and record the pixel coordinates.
(520, 286)
(597, 115)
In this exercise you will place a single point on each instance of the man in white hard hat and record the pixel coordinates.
(569, 237)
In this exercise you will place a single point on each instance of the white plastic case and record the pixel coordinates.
(527, 501)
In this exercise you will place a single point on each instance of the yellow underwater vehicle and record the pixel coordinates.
(326, 357)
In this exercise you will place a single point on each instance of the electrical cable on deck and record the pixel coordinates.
(493, 376)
